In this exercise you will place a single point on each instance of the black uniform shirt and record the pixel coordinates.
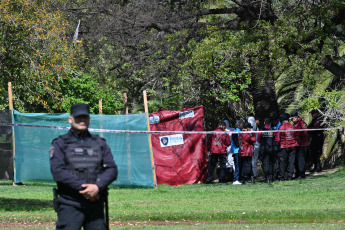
(69, 184)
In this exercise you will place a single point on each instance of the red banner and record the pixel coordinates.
(179, 158)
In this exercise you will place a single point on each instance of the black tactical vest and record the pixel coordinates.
(267, 144)
(83, 157)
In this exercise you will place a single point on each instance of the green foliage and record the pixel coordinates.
(34, 55)
(83, 88)
(217, 62)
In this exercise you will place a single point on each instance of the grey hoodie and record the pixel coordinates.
(251, 120)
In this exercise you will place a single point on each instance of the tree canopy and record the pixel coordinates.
(236, 57)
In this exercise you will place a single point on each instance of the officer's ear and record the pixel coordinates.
(70, 119)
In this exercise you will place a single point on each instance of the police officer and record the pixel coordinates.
(82, 166)
(268, 150)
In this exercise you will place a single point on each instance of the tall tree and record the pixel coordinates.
(34, 55)
(142, 44)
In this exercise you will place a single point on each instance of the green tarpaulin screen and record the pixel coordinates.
(131, 151)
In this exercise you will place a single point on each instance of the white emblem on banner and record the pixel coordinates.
(186, 114)
(154, 120)
(171, 140)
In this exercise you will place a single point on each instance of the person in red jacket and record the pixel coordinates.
(246, 142)
(301, 150)
(216, 146)
(288, 142)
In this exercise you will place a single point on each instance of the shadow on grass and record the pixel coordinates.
(10, 204)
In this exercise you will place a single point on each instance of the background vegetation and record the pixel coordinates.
(234, 57)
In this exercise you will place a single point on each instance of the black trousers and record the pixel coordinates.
(214, 158)
(268, 160)
(316, 146)
(72, 218)
(286, 162)
(301, 152)
(246, 167)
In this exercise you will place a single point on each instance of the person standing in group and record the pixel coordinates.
(216, 146)
(301, 150)
(275, 126)
(255, 123)
(230, 165)
(317, 139)
(82, 166)
(246, 142)
(288, 142)
(268, 149)
(276, 122)
(235, 150)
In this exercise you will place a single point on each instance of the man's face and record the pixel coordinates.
(240, 126)
(294, 119)
(315, 115)
(79, 123)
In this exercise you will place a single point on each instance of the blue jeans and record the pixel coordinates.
(238, 171)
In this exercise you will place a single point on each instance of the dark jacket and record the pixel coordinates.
(70, 184)
(317, 136)
(267, 140)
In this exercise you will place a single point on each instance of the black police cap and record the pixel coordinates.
(268, 120)
(247, 125)
(294, 114)
(314, 111)
(284, 116)
(80, 109)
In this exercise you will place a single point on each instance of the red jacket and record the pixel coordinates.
(246, 141)
(288, 138)
(217, 143)
(303, 138)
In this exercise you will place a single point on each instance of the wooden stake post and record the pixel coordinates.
(10, 105)
(125, 102)
(150, 143)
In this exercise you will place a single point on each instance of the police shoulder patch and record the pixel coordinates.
(51, 152)
(304, 125)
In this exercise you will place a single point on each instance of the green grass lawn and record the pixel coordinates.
(314, 203)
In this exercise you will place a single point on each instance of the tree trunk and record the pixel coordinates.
(264, 97)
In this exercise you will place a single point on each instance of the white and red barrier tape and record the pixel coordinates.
(166, 132)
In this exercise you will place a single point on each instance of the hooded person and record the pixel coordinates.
(230, 160)
(255, 122)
